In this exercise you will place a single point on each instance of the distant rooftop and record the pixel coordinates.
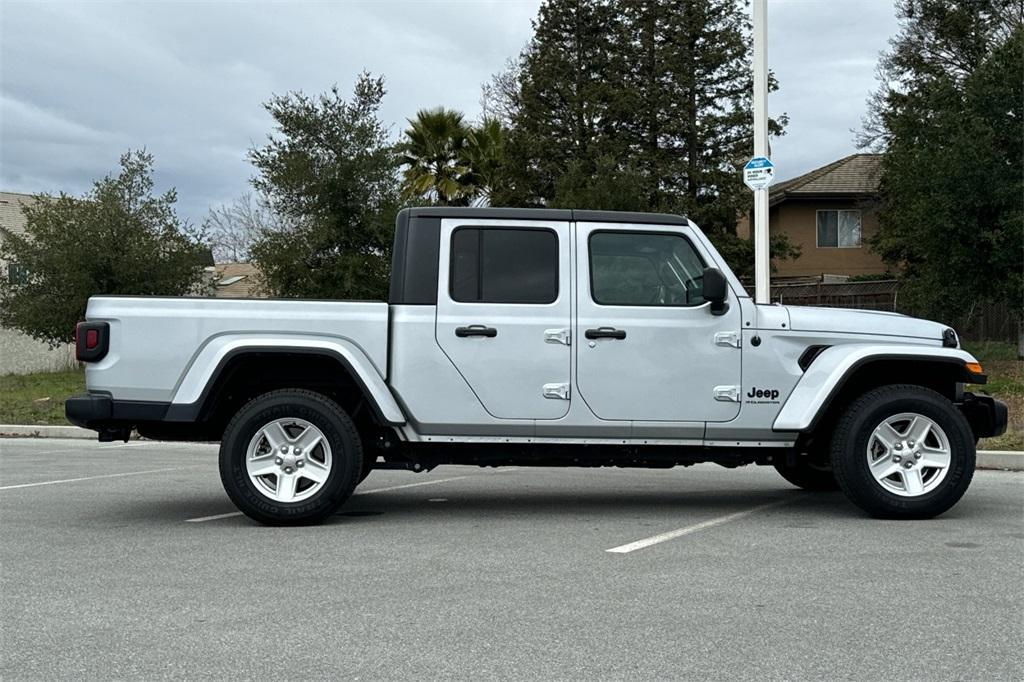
(11, 217)
(236, 280)
(854, 175)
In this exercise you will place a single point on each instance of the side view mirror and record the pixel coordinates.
(716, 290)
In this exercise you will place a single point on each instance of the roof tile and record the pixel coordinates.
(854, 174)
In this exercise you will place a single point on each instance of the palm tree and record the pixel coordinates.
(433, 154)
(484, 155)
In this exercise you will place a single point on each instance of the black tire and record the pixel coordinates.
(329, 418)
(850, 460)
(809, 474)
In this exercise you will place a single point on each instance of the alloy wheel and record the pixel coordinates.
(288, 460)
(908, 454)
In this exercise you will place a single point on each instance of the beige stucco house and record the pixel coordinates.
(830, 213)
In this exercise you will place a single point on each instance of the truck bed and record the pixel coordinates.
(154, 341)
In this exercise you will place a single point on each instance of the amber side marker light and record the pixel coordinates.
(974, 368)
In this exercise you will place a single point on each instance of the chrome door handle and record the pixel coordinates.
(476, 330)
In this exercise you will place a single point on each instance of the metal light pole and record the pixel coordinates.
(762, 290)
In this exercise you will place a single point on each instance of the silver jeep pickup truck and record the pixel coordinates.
(540, 338)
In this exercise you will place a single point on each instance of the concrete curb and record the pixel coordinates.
(1001, 459)
(987, 459)
(47, 431)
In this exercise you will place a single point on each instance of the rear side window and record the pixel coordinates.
(645, 269)
(504, 265)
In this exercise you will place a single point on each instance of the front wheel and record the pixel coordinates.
(903, 452)
(290, 457)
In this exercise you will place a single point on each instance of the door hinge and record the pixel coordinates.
(562, 336)
(556, 391)
(731, 339)
(727, 394)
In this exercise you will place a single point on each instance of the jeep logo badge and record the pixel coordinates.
(763, 395)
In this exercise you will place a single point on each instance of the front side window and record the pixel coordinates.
(643, 268)
(504, 265)
(838, 229)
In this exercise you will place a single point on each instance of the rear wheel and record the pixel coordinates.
(903, 452)
(290, 457)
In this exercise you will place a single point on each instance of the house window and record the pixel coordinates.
(16, 274)
(504, 265)
(839, 229)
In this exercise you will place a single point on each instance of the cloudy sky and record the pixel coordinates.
(82, 82)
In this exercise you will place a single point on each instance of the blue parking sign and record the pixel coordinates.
(759, 173)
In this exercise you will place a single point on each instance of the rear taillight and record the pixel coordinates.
(91, 341)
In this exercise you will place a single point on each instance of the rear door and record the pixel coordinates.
(504, 313)
(649, 347)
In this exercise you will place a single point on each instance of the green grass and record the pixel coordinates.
(991, 350)
(1005, 382)
(1005, 372)
(38, 398)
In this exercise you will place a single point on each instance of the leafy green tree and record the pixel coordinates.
(116, 239)
(950, 119)
(332, 176)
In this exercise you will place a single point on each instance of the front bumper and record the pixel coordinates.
(986, 415)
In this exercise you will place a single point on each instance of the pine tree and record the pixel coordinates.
(684, 105)
(639, 106)
(559, 119)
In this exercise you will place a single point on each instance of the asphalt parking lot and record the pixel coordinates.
(126, 560)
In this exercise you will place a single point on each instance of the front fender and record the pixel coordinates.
(830, 369)
(206, 365)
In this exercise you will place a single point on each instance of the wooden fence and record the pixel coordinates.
(988, 322)
(875, 295)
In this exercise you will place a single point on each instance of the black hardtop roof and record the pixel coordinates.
(573, 214)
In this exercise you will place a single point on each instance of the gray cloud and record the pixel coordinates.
(823, 53)
(82, 82)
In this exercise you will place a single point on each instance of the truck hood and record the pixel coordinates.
(805, 318)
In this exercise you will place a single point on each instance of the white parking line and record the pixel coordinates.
(89, 478)
(362, 492)
(213, 518)
(408, 485)
(679, 532)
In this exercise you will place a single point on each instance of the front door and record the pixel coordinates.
(504, 313)
(649, 347)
